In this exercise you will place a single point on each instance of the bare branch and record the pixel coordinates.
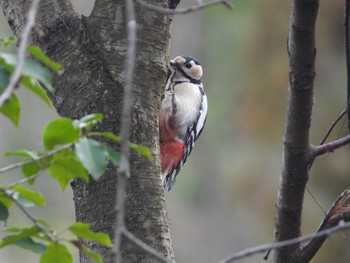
(48, 154)
(263, 248)
(124, 168)
(341, 115)
(338, 213)
(296, 151)
(329, 147)
(145, 247)
(23, 180)
(15, 78)
(187, 10)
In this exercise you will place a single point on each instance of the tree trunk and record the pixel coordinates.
(296, 152)
(92, 51)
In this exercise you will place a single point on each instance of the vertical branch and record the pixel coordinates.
(296, 150)
(124, 169)
(347, 54)
(15, 78)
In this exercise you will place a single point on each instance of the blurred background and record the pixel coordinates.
(224, 199)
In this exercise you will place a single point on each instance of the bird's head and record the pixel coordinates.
(186, 67)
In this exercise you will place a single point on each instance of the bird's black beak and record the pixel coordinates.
(174, 64)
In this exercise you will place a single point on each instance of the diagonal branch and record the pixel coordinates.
(263, 248)
(341, 115)
(28, 215)
(338, 213)
(329, 147)
(333, 222)
(16, 76)
(48, 154)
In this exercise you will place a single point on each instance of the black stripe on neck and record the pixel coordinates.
(192, 80)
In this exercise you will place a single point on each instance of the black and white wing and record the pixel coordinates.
(192, 134)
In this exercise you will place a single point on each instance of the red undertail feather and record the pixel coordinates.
(171, 153)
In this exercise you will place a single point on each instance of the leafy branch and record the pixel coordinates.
(70, 153)
(21, 52)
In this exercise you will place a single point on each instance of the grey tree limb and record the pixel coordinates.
(296, 150)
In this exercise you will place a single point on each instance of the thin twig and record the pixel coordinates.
(124, 168)
(21, 53)
(48, 154)
(28, 214)
(145, 247)
(342, 114)
(263, 248)
(187, 10)
(23, 180)
(329, 147)
(338, 212)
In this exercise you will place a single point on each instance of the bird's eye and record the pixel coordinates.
(188, 65)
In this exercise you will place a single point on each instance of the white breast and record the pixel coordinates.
(187, 102)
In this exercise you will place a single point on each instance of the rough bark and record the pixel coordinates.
(296, 152)
(92, 51)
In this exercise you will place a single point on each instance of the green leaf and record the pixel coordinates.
(59, 131)
(43, 223)
(40, 55)
(83, 231)
(141, 150)
(31, 169)
(34, 86)
(56, 253)
(22, 234)
(113, 156)
(11, 109)
(135, 147)
(8, 41)
(64, 168)
(111, 136)
(4, 79)
(4, 212)
(35, 198)
(22, 152)
(34, 167)
(5, 200)
(92, 254)
(93, 156)
(31, 68)
(88, 120)
(20, 199)
(30, 244)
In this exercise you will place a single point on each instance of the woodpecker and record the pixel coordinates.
(182, 116)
